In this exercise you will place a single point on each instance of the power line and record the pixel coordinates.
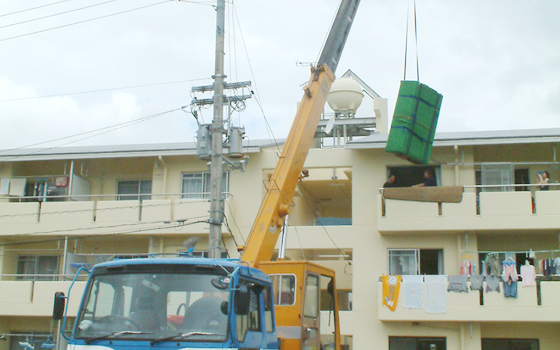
(105, 130)
(84, 21)
(102, 90)
(33, 8)
(56, 14)
(74, 211)
(257, 96)
(102, 235)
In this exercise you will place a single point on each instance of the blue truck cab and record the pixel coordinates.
(173, 303)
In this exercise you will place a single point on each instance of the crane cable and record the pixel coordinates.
(415, 42)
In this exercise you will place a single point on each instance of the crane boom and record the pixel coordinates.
(281, 186)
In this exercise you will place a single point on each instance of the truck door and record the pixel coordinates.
(311, 335)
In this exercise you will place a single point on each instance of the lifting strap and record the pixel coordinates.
(415, 42)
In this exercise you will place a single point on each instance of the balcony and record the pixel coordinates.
(487, 211)
(35, 298)
(492, 307)
(186, 215)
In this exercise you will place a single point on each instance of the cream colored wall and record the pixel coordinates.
(547, 333)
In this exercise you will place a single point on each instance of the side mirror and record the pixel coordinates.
(241, 300)
(59, 303)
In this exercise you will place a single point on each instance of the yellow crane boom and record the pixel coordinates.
(281, 186)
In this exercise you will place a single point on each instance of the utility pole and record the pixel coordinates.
(217, 131)
(210, 137)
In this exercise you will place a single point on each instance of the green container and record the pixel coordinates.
(414, 122)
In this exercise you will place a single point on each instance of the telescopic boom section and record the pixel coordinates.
(282, 185)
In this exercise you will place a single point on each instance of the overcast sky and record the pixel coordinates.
(497, 63)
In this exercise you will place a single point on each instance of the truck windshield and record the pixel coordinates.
(154, 307)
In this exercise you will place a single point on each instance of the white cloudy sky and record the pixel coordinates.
(497, 63)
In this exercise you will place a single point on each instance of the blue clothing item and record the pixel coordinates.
(510, 289)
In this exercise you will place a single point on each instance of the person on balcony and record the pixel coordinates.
(429, 179)
(544, 180)
(391, 181)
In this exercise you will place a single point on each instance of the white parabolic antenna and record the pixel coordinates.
(345, 95)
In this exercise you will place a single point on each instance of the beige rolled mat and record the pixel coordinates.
(439, 194)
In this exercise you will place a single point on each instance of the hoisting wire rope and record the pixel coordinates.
(256, 91)
(415, 42)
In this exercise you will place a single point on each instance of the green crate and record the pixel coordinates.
(414, 122)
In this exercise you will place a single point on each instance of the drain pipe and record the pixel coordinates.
(164, 189)
(456, 151)
(70, 181)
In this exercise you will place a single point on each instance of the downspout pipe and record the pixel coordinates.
(164, 185)
(456, 151)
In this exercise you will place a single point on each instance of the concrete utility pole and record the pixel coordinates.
(210, 137)
(217, 131)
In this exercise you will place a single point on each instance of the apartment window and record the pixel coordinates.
(415, 261)
(406, 176)
(510, 344)
(204, 253)
(197, 185)
(134, 190)
(417, 343)
(37, 267)
(497, 174)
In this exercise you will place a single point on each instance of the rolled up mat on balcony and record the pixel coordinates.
(440, 194)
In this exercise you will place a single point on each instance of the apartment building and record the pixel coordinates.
(62, 209)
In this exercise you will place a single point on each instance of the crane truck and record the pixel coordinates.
(201, 303)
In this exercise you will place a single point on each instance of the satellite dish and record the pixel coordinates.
(330, 125)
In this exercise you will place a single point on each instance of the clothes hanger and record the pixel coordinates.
(48, 344)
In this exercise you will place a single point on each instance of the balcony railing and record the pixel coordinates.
(183, 210)
(477, 211)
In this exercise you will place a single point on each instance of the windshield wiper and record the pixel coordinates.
(115, 335)
(181, 336)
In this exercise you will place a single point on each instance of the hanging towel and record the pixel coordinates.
(391, 285)
(17, 186)
(457, 284)
(436, 294)
(412, 288)
(476, 282)
(528, 275)
(5, 187)
(492, 284)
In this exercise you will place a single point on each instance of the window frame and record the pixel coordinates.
(139, 196)
(205, 185)
(418, 258)
(294, 292)
(36, 276)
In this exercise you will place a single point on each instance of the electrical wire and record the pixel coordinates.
(100, 131)
(33, 8)
(340, 251)
(102, 235)
(101, 90)
(56, 14)
(257, 95)
(235, 222)
(85, 21)
(75, 211)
